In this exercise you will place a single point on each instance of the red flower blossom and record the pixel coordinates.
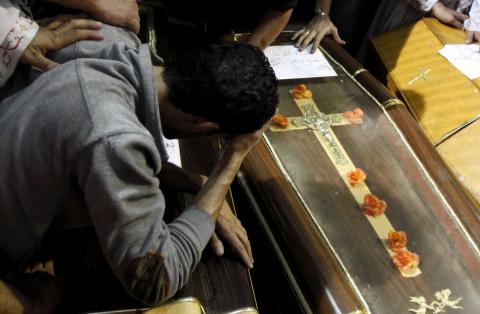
(280, 121)
(397, 240)
(405, 260)
(355, 116)
(373, 206)
(300, 91)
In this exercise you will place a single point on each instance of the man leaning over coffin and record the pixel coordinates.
(93, 128)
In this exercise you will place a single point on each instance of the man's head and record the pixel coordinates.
(230, 85)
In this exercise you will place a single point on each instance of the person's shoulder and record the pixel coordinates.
(115, 44)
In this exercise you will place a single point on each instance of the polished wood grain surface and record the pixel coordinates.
(334, 250)
(221, 284)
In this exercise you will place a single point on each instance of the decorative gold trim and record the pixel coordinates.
(449, 134)
(142, 310)
(361, 70)
(437, 306)
(392, 102)
(245, 309)
(422, 74)
(359, 312)
(152, 35)
(234, 209)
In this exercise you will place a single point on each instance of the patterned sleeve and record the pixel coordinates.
(473, 23)
(16, 34)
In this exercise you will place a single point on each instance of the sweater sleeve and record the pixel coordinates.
(16, 32)
(152, 259)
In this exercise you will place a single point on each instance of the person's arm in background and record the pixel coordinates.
(472, 24)
(440, 12)
(318, 27)
(269, 27)
(122, 13)
(447, 15)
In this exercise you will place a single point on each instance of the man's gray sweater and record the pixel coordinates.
(90, 129)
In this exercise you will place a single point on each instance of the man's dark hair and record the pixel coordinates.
(231, 84)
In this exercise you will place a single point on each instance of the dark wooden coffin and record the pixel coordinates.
(336, 260)
(221, 284)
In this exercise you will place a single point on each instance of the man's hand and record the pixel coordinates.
(448, 16)
(230, 229)
(58, 33)
(242, 143)
(317, 28)
(123, 13)
(472, 37)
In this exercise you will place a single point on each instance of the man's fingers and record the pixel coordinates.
(79, 24)
(41, 62)
(472, 37)
(337, 38)
(216, 245)
(301, 38)
(316, 43)
(297, 33)
(469, 38)
(67, 38)
(242, 235)
(239, 248)
(456, 24)
(59, 19)
(459, 16)
(309, 39)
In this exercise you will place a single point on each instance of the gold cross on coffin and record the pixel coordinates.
(321, 125)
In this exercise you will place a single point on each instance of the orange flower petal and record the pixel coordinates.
(356, 177)
(300, 88)
(373, 206)
(358, 112)
(397, 240)
(280, 121)
(297, 95)
(348, 115)
(405, 260)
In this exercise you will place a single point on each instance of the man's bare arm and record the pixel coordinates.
(122, 13)
(180, 180)
(269, 27)
(228, 226)
(212, 195)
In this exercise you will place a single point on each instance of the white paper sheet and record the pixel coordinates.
(289, 63)
(173, 150)
(466, 58)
